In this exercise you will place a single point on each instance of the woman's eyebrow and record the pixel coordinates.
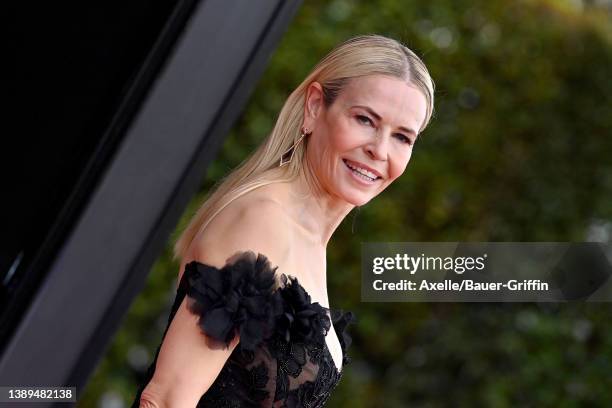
(378, 117)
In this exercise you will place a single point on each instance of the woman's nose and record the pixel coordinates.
(377, 148)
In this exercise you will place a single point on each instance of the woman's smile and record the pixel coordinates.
(360, 174)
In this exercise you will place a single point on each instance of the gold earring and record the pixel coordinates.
(291, 150)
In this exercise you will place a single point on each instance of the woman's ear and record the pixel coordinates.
(313, 104)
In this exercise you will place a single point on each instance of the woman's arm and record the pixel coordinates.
(186, 366)
(188, 363)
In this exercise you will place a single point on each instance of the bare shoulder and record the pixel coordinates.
(254, 222)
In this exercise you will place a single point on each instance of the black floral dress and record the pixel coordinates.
(282, 359)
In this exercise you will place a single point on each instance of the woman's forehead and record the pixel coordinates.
(393, 99)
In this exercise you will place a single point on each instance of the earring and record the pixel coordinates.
(291, 151)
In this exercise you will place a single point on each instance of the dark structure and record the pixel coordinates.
(118, 110)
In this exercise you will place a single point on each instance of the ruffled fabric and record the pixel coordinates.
(301, 320)
(241, 297)
(238, 298)
(341, 320)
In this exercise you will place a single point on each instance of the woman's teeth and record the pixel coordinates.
(363, 173)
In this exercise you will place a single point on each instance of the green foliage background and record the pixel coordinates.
(519, 150)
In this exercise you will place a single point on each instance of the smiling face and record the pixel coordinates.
(363, 142)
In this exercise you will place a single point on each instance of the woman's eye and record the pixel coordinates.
(364, 119)
(403, 138)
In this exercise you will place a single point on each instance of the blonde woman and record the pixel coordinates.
(251, 324)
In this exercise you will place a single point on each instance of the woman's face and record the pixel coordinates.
(364, 140)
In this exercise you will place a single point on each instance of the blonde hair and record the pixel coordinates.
(358, 56)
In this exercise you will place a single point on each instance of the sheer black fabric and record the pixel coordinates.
(282, 359)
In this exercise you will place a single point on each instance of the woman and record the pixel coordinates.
(241, 334)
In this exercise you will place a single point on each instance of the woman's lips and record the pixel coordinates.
(359, 178)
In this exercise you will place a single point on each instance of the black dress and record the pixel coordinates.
(282, 359)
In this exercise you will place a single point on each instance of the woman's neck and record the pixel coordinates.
(313, 208)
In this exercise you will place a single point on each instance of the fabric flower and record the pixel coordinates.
(302, 320)
(341, 321)
(239, 297)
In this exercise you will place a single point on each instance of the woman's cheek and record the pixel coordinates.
(400, 167)
(346, 140)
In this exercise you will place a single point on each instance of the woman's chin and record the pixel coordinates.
(357, 199)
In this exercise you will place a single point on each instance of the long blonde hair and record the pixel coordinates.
(358, 56)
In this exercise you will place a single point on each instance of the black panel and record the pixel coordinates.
(162, 128)
(71, 67)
